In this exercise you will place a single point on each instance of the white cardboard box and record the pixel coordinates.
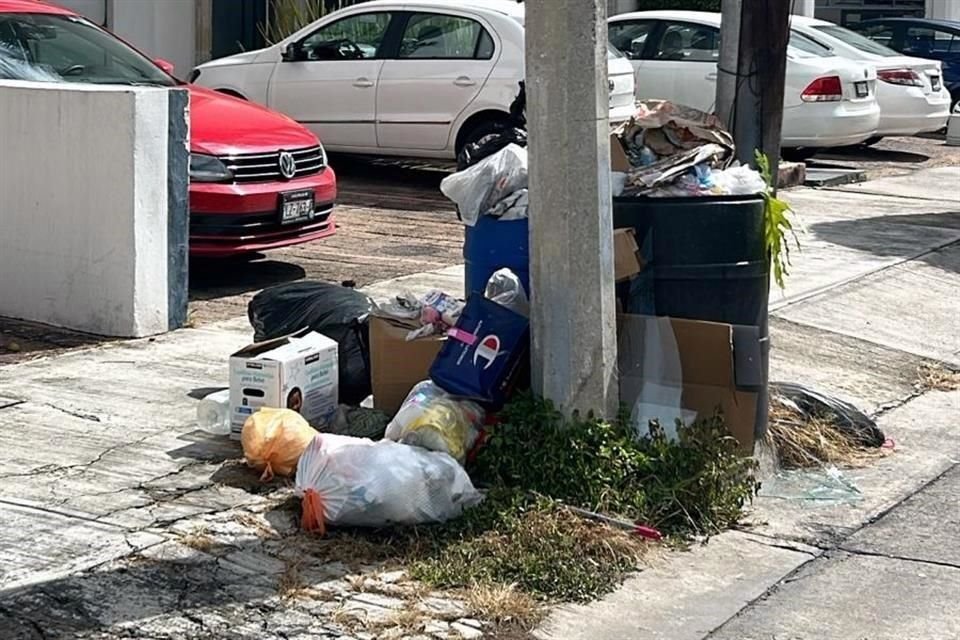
(295, 370)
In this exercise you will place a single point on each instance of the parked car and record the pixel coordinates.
(911, 93)
(933, 39)
(399, 78)
(828, 101)
(258, 180)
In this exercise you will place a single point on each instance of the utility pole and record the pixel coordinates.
(750, 86)
(573, 320)
(750, 78)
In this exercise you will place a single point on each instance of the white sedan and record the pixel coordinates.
(910, 90)
(828, 101)
(403, 78)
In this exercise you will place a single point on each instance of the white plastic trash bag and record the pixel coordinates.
(479, 188)
(358, 482)
(504, 288)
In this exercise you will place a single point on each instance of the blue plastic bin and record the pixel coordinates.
(493, 244)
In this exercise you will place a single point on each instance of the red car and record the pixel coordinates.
(258, 179)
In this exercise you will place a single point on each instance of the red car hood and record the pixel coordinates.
(223, 125)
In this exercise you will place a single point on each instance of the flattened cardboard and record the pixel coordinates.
(626, 262)
(719, 369)
(396, 365)
(619, 161)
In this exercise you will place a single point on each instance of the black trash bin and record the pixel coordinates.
(706, 260)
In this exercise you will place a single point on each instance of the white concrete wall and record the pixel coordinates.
(943, 9)
(95, 10)
(160, 28)
(84, 187)
(803, 8)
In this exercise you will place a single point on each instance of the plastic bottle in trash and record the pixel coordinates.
(213, 413)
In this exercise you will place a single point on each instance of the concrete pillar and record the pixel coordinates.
(573, 319)
(943, 9)
(804, 8)
(94, 207)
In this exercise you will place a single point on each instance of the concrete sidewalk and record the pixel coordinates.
(108, 489)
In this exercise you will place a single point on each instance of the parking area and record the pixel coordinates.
(392, 221)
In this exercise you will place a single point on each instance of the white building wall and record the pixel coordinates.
(86, 203)
(160, 28)
(943, 9)
(804, 8)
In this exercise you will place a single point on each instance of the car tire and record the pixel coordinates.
(478, 132)
(799, 155)
(869, 142)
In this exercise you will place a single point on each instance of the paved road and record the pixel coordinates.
(391, 221)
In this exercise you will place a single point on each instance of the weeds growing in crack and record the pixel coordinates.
(937, 377)
(199, 539)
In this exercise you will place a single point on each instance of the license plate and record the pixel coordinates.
(935, 83)
(296, 206)
(862, 89)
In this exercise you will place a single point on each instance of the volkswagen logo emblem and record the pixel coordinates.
(288, 166)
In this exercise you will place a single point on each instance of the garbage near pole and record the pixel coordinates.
(273, 441)
(340, 313)
(297, 372)
(357, 482)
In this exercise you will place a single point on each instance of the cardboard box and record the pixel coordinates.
(397, 365)
(619, 160)
(296, 372)
(689, 369)
(626, 262)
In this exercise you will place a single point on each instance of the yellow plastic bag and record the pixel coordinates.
(273, 440)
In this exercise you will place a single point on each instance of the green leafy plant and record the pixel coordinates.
(777, 225)
(695, 484)
(535, 467)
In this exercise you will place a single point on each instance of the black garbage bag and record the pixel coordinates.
(858, 426)
(340, 313)
(513, 130)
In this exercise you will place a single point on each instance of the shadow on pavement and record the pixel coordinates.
(405, 185)
(871, 154)
(898, 236)
(21, 340)
(217, 278)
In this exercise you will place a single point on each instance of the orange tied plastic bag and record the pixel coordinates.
(273, 441)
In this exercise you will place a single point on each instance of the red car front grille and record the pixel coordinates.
(265, 167)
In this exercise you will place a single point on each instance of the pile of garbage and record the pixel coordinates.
(374, 406)
(670, 150)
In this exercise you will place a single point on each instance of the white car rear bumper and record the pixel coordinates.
(829, 124)
(905, 111)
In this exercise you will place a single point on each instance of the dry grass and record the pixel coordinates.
(936, 377)
(258, 524)
(291, 583)
(199, 540)
(504, 606)
(802, 443)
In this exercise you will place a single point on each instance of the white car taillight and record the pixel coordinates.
(903, 77)
(825, 89)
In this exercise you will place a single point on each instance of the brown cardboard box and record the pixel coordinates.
(619, 161)
(396, 365)
(704, 365)
(626, 262)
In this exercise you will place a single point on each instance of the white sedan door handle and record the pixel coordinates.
(363, 83)
(711, 76)
(464, 81)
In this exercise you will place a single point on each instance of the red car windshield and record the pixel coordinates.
(70, 49)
